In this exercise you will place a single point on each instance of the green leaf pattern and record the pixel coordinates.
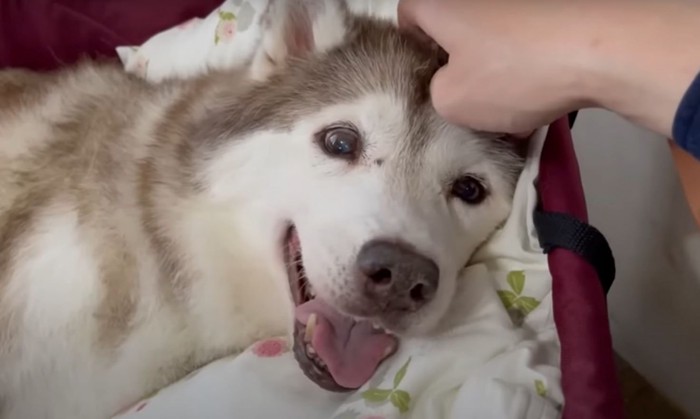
(507, 298)
(376, 395)
(516, 280)
(540, 388)
(400, 374)
(226, 16)
(400, 399)
(526, 304)
(518, 305)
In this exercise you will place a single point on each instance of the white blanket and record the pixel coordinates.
(500, 360)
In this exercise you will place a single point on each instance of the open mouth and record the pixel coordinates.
(337, 352)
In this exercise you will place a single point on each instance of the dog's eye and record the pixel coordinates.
(340, 142)
(469, 189)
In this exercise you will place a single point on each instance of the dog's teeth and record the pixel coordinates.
(310, 327)
(388, 351)
(310, 350)
(376, 326)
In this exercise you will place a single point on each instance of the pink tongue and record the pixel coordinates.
(351, 350)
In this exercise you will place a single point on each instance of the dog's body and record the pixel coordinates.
(142, 226)
(99, 290)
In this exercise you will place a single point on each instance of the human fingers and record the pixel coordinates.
(444, 92)
(458, 103)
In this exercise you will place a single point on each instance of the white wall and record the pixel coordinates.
(634, 197)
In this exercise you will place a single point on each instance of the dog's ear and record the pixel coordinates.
(295, 29)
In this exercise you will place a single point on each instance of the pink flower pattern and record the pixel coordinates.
(134, 408)
(270, 348)
(226, 28)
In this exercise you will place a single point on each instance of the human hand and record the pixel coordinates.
(517, 65)
(508, 69)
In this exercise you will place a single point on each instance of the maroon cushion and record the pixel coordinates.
(589, 378)
(45, 34)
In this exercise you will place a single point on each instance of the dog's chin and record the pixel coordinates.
(318, 328)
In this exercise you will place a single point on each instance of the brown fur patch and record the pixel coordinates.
(19, 88)
(82, 161)
(120, 298)
(171, 278)
(170, 180)
(15, 223)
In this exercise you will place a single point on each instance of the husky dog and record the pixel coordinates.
(146, 230)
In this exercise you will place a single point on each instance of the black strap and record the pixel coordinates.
(557, 230)
(572, 119)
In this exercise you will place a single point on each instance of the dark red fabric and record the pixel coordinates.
(589, 377)
(45, 34)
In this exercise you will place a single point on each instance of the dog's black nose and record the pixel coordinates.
(396, 278)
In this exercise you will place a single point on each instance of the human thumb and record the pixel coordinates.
(444, 92)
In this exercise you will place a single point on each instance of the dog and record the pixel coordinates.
(148, 229)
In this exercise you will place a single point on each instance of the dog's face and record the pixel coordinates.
(389, 204)
(378, 203)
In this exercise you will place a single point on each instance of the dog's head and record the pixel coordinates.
(376, 202)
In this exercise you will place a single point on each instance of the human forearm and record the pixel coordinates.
(639, 58)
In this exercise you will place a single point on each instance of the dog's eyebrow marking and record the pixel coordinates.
(379, 162)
